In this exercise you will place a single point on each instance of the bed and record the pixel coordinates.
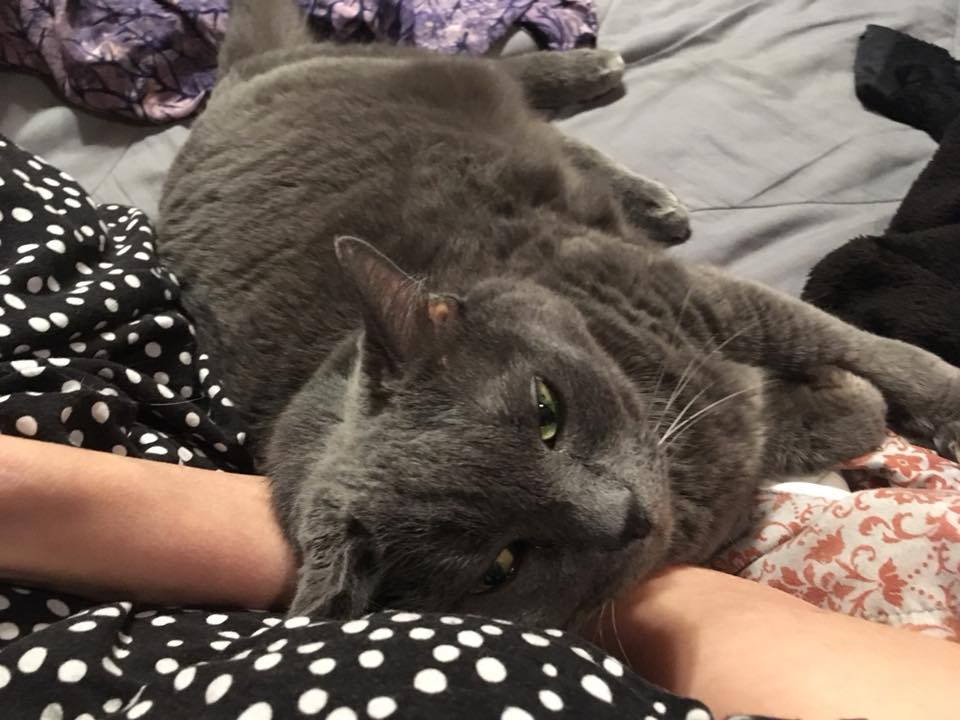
(745, 108)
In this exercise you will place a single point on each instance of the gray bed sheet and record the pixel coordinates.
(745, 108)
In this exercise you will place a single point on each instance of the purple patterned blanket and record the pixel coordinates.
(155, 60)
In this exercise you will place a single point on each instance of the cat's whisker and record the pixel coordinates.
(682, 413)
(616, 634)
(703, 411)
(689, 371)
(673, 337)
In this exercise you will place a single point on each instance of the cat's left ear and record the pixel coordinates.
(337, 574)
(402, 316)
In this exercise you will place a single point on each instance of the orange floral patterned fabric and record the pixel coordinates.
(888, 552)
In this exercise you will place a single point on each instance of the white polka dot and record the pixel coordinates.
(446, 653)
(119, 450)
(26, 425)
(53, 711)
(161, 620)
(491, 630)
(202, 374)
(582, 653)
(72, 671)
(100, 412)
(82, 626)
(140, 709)
(451, 621)
(381, 707)
(381, 634)
(119, 652)
(14, 302)
(152, 349)
(491, 669)
(35, 284)
(550, 700)
(58, 607)
(76, 438)
(112, 705)
(192, 419)
(70, 386)
(5, 603)
(27, 248)
(596, 687)
(112, 305)
(430, 681)
(218, 688)
(322, 666)
(184, 678)
(515, 713)
(660, 707)
(185, 358)
(83, 269)
(32, 659)
(21, 214)
(342, 713)
(4, 330)
(698, 714)
(265, 662)
(164, 321)
(294, 622)
(534, 639)
(8, 631)
(370, 659)
(405, 617)
(215, 618)
(59, 319)
(220, 447)
(257, 711)
(354, 626)
(220, 645)
(4, 677)
(243, 654)
(613, 667)
(422, 633)
(312, 701)
(310, 648)
(107, 611)
(165, 666)
(274, 646)
(39, 324)
(470, 638)
(184, 454)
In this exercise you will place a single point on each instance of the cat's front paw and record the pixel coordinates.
(946, 439)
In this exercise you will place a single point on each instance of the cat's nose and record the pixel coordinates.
(636, 525)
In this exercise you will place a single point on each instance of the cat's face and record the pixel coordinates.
(499, 464)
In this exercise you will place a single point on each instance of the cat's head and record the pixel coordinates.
(489, 458)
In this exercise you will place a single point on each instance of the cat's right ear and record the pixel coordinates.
(401, 316)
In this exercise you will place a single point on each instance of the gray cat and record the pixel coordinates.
(535, 405)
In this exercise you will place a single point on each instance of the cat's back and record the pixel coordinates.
(416, 153)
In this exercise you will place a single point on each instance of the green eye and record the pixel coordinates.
(501, 569)
(548, 411)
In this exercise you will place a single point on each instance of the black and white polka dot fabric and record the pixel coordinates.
(94, 352)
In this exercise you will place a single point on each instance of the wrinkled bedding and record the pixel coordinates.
(156, 61)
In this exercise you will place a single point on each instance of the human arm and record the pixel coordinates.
(741, 647)
(117, 527)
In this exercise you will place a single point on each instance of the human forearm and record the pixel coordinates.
(115, 526)
(745, 648)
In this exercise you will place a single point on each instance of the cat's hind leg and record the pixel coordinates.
(556, 80)
(817, 422)
(648, 205)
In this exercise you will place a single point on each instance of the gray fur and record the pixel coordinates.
(395, 416)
